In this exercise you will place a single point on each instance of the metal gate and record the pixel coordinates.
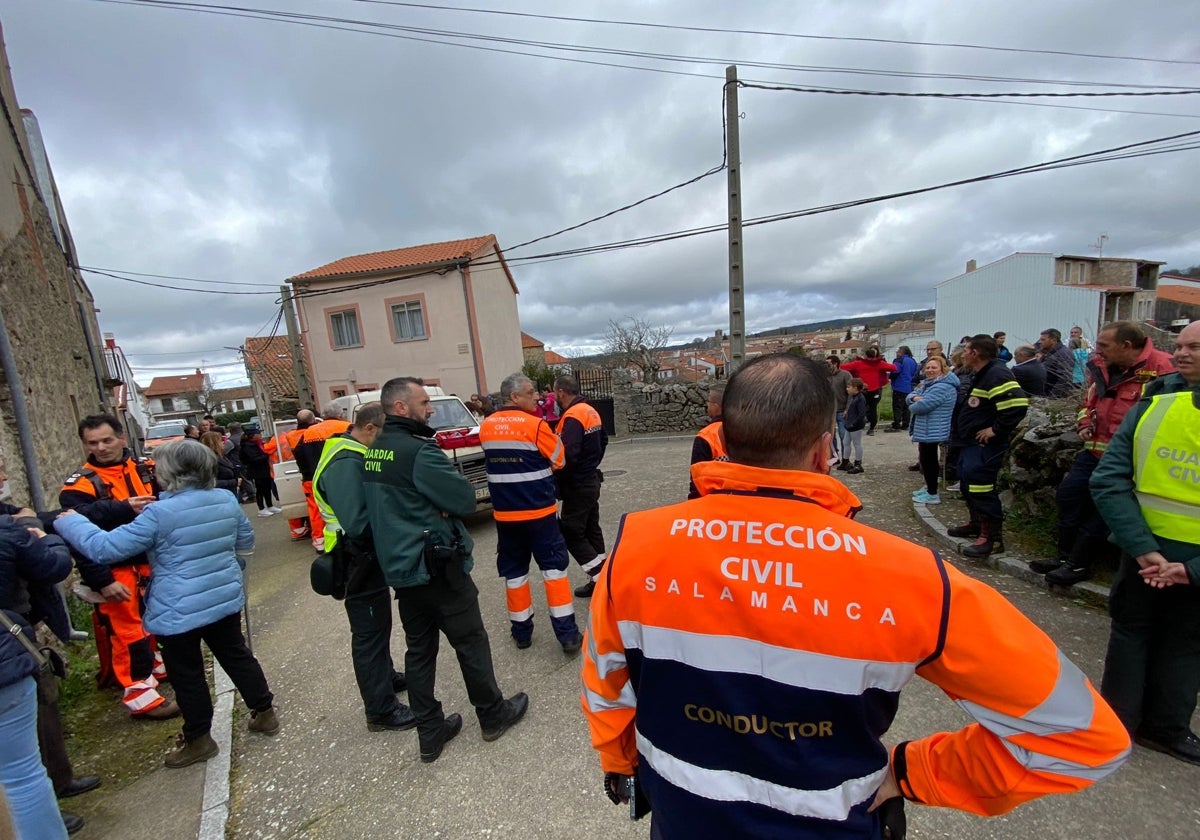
(595, 384)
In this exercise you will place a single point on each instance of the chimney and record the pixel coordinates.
(971, 266)
(198, 373)
(110, 341)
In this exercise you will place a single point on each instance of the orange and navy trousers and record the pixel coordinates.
(136, 663)
(541, 538)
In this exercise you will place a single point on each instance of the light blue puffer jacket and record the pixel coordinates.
(191, 537)
(931, 415)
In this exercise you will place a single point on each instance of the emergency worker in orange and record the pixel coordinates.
(281, 448)
(584, 441)
(308, 456)
(708, 444)
(746, 651)
(1125, 362)
(522, 454)
(110, 489)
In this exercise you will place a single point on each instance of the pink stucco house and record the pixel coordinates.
(446, 312)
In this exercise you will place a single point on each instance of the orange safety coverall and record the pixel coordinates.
(279, 448)
(307, 448)
(100, 494)
(746, 652)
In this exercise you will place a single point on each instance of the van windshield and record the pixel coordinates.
(160, 432)
(451, 414)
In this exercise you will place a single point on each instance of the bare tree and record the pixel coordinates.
(634, 341)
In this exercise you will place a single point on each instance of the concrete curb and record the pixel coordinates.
(215, 812)
(1011, 564)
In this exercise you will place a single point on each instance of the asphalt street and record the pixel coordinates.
(325, 775)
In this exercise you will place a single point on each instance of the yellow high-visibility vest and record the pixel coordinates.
(1166, 466)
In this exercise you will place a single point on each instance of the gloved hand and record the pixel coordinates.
(891, 814)
(616, 787)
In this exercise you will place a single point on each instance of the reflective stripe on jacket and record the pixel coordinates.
(711, 434)
(522, 454)
(333, 447)
(1166, 466)
(584, 440)
(746, 651)
(995, 401)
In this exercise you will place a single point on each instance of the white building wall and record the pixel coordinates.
(914, 339)
(1016, 294)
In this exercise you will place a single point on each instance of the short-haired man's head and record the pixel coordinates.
(775, 410)
(934, 346)
(233, 428)
(95, 421)
(369, 414)
(185, 465)
(984, 345)
(834, 362)
(1052, 334)
(1024, 353)
(395, 390)
(716, 391)
(1123, 331)
(305, 418)
(569, 385)
(332, 411)
(999, 334)
(511, 385)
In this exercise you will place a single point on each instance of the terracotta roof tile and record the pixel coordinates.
(553, 358)
(528, 342)
(165, 386)
(417, 255)
(241, 392)
(1179, 294)
(270, 359)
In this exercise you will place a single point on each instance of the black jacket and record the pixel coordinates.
(227, 474)
(255, 461)
(995, 401)
(855, 416)
(40, 563)
(1031, 376)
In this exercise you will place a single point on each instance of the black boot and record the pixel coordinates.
(971, 529)
(856, 469)
(844, 465)
(1078, 566)
(989, 542)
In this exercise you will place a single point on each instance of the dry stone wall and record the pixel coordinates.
(659, 408)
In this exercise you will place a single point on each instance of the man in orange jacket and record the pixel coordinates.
(111, 489)
(708, 444)
(308, 456)
(522, 454)
(584, 441)
(281, 448)
(747, 649)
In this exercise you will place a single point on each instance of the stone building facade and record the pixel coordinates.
(48, 316)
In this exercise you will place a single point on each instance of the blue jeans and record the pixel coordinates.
(841, 433)
(26, 785)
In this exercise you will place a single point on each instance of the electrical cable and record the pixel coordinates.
(172, 288)
(173, 277)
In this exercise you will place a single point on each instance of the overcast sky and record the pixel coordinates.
(236, 150)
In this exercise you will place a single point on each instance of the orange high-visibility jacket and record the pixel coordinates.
(746, 652)
(522, 453)
(308, 447)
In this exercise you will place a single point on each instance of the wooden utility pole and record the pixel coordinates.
(737, 303)
(303, 386)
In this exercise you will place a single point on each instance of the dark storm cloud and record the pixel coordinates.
(235, 150)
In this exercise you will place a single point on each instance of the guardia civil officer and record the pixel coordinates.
(415, 501)
(747, 649)
(338, 491)
(1145, 488)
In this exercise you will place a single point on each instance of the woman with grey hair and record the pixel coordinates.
(196, 537)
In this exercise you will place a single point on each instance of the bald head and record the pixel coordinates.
(776, 410)
(305, 418)
(1187, 353)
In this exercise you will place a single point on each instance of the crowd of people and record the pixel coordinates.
(694, 712)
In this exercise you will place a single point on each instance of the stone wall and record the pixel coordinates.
(1042, 451)
(658, 408)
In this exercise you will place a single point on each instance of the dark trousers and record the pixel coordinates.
(185, 663)
(978, 467)
(262, 493)
(927, 456)
(370, 616)
(900, 412)
(579, 521)
(442, 607)
(50, 732)
(873, 398)
(1152, 669)
(1078, 520)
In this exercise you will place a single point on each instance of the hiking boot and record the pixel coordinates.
(971, 529)
(572, 646)
(188, 752)
(163, 711)
(512, 711)
(265, 722)
(856, 469)
(1044, 567)
(844, 465)
(585, 591)
(400, 720)
(432, 751)
(1068, 574)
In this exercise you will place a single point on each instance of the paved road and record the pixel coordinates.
(325, 775)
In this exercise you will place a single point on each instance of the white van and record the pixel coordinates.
(457, 436)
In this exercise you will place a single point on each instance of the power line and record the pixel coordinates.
(172, 288)
(775, 34)
(173, 277)
(933, 95)
(391, 30)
